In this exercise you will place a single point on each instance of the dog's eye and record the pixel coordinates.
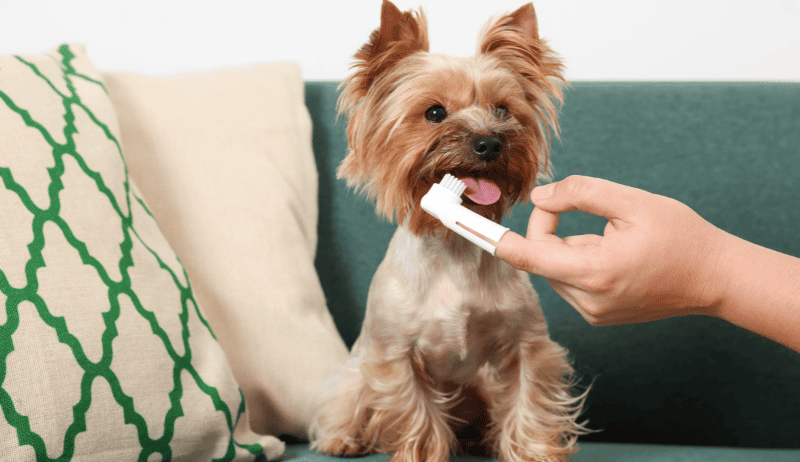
(435, 114)
(501, 111)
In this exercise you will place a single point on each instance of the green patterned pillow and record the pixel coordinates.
(104, 353)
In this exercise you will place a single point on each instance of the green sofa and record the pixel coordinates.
(687, 389)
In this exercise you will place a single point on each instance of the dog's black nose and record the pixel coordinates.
(487, 148)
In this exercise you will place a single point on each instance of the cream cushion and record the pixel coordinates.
(224, 159)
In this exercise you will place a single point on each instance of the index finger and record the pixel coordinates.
(546, 256)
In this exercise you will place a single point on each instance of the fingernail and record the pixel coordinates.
(542, 192)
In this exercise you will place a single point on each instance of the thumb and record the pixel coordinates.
(592, 195)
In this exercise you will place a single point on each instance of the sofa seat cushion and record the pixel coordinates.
(602, 452)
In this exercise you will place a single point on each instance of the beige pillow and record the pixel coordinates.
(104, 352)
(224, 158)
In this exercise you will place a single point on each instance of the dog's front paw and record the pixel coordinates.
(334, 446)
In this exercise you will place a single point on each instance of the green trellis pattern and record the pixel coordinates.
(174, 333)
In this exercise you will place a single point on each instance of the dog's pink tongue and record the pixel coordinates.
(486, 192)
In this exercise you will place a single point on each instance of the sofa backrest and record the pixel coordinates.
(731, 151)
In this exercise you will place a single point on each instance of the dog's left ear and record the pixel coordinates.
(514, 38)
(517, 28)
(525, 19)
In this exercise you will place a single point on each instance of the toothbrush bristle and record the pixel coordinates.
(453, 184)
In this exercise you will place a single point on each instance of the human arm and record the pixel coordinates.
(762, 292)
(656, 259)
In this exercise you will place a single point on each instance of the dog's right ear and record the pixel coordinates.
(400, 35)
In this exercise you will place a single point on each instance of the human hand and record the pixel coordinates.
(656, 259)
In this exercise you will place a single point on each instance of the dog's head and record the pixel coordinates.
(414, 116)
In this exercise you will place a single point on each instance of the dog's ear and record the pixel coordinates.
(517, 28)
(400, 35)
(525, 19)
(514, 39)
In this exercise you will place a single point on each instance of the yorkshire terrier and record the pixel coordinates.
(454, 351)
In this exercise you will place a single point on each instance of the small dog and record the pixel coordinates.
(454, 351)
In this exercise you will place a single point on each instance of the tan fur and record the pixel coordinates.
(454, 351)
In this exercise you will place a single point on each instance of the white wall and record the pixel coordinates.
(598, 39)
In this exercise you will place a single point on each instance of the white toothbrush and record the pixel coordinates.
(443, 201)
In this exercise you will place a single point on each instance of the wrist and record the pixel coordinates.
(760, 291)
(716, 294)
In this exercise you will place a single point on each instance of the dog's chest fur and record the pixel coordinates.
(454, 303)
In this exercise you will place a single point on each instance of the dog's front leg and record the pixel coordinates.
(407, 419)
(533, 413)
(385, 404)
(339, 421)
